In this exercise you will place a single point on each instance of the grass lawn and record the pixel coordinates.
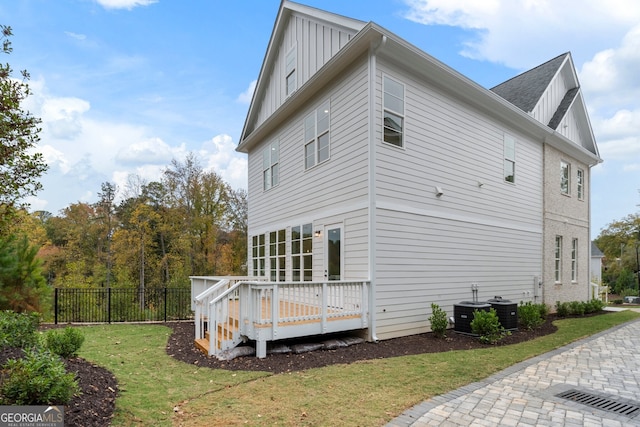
(155, 389)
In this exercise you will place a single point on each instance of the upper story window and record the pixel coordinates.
(580, 184)
(565, 174)
(290, 73)
(270, 159)
(393, 120)
(316, 136)
(509, 159)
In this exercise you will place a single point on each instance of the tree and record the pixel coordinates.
(22, 285)
(20, 167)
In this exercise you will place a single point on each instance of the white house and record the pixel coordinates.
(371, 162)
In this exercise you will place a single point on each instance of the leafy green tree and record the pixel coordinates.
(20, 167)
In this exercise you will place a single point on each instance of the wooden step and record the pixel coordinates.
(202, 344)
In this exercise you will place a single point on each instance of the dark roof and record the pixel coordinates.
(595, 251)
(525, 90)
(563, 107)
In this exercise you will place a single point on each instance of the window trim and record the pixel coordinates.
(509, 158)
(271, 166)
(304, 258)
(574, 260)
(565, 189)
(580, 183)
(291, 65)
(314, 142)
(399, 114)
(558, 260)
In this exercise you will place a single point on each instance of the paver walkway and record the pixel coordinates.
(606, 365)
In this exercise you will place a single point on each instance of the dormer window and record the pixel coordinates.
(290, 79)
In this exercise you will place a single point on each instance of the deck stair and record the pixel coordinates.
(239, 309)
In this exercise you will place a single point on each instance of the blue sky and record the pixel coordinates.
(125, 86)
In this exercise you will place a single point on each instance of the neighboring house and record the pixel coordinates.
(596, 264)
(370, 160)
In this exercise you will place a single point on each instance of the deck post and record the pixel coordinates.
(325, 306)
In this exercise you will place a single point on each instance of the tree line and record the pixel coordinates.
(190, 222)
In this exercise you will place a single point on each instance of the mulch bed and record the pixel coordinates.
(95, 406)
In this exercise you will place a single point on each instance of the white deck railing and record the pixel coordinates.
(236, 309)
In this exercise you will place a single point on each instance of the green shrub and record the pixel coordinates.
(40, 378)
(487, 325)
(562, 309)
(618, 301)
(544, 310)
(529, 316)
(18, 329)
(65, 343)
(577, 308)
(438, 321)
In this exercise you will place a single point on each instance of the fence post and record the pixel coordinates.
(165, 304)
(109, 304)
(55, 310)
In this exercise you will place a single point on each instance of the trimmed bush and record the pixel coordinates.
(18, 329)
(40, 378)
(487, 325)
(438, 321)
(577, 308)
(562, 309)
(65, 343)
(529, 315)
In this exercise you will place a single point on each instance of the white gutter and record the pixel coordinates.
(372, 186)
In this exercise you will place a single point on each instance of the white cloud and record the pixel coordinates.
(63, 116)
(75, 35)
(124, 4)
(219, 155)
(149, 151)
(245, 97)
(523, 33)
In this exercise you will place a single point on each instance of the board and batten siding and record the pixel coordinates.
(335, 191)
(315, 43)
(482, 230)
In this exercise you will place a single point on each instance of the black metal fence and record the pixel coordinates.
(107, 305)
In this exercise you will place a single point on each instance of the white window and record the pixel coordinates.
(574, 260)
(258, 255)
(277, 255)
(393, 120)
(290, 77)
(316, 136)
(302, 253)
(565, 174)
(580, 184)
(270, 170)
(509, 159)
(558, 259)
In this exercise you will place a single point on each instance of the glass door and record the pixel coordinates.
(333, 252)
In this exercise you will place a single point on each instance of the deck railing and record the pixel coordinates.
(236, 309)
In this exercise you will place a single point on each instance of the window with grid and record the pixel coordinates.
(393, 120)
(258, 255)
(558, 260)
(580, 184)
(316, 136)
(509, 159)
(277, 255)
(574, 260)
(565, 174)
(270, 166)
(302, 253)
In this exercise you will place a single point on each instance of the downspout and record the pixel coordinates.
(372, 187)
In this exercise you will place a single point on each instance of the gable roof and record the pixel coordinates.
(370, 37)
(595, 251)
(525, 90)
(287, 9)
